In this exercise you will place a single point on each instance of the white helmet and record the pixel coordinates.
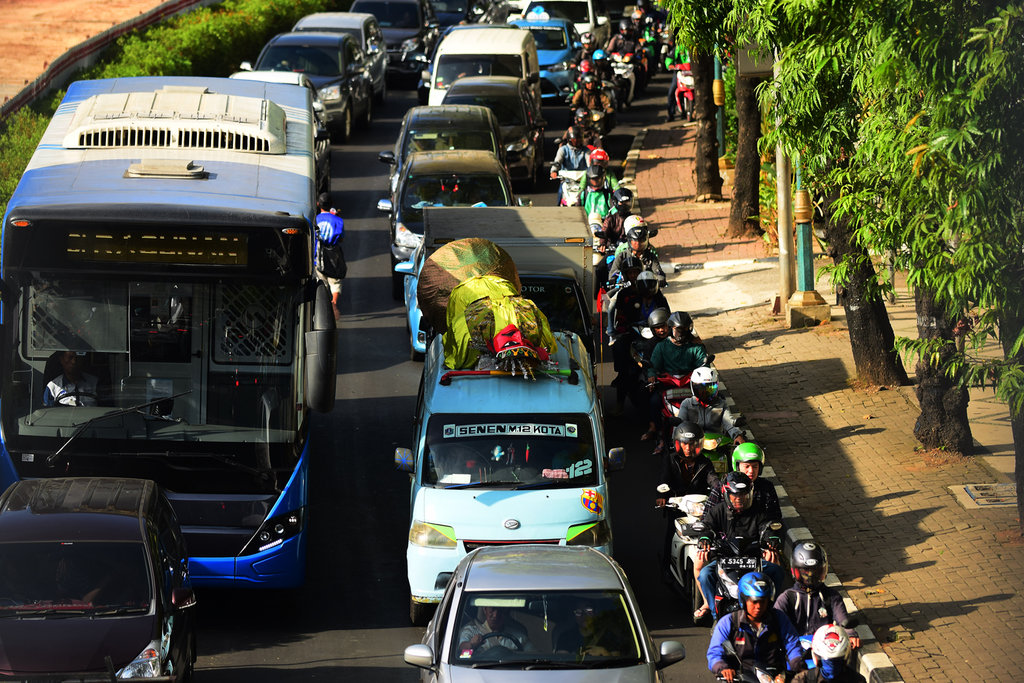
(830, 642)
(633, 221)
(704, 375)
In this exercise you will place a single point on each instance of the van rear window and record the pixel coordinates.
(451, 68)
(510, 450)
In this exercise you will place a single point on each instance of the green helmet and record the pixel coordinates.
(747, 452)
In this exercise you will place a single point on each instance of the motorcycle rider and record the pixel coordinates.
(678, 59)
(748, 458)
(586, 51)
(614, 233)
(638, 244)
(633, 307)
(591, 138)
(734, 517)
(597, 195)
(571, 155)
(599, 157)
(685, 470)
(809, 603)
(657, 323)
(707, 407)
(623, 42)
(754, 635)
(602, 69)
(591, 97)
(830, 648)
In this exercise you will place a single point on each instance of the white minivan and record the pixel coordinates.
(483, 52)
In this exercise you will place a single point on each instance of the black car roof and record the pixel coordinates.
(454, 114)
(75, 509)
(310, 38)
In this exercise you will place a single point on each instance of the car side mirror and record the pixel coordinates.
(386, 157)
(405, 268)
(384, 206)
(576, 45)
(322, 134)
(403, 460)
(245, 66)
(533, 78)
(425, 75)
(672, 651)
(182, 598)
(616, 459)
(524, 201)
(419, 655)
(601, 21)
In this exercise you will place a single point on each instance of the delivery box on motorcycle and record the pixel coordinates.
(502, 460)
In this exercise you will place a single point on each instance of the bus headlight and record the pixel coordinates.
(432, 535)
(592, 534)
(146, 665)
(274, 531)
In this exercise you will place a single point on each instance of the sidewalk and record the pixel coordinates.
(938, 583)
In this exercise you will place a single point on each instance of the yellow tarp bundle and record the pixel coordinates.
(481, 307)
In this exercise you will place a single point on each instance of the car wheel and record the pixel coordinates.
(368, 116)
(420, 612)
(343, 131)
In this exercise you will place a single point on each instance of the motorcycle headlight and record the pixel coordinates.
(694, 509)
(404, 237)
(730, 585)
(410, 44)
(627, 59)
(519, 145)
(591, 533)
(330, 93)
(432, 535)
(146, 665)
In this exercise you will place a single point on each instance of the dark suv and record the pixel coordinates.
(410, 30)
(94, 582)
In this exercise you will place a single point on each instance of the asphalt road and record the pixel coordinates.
(350, 620)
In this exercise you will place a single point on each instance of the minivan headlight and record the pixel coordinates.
(410, 44)
(404, 237)
(330, 93)
(432, 535)
(592, 534)
(519, 145)
(146, 665)
(558, 66)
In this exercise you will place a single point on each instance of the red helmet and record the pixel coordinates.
(599, 156)
(586, 66)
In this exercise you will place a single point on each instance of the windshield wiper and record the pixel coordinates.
(51, 459)
(538, 484)
(473, 485)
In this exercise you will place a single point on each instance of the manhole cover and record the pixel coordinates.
(992, 494)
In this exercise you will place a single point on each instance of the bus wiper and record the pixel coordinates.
(51, 459)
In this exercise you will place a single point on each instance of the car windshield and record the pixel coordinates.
(548, 37)
(558, 301)
(508, 109)
(58, 577)
(391, 14)
(575, 11)
(540, 629)
(317, 61)
(451, 68)
(449, 189)
(449, 138)
(508, 450)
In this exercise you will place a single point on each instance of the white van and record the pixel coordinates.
(483, 52)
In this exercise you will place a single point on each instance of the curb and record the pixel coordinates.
(873, 664)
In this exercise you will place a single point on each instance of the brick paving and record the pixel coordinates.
(939, 585)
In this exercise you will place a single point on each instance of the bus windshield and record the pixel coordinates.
(131, 360)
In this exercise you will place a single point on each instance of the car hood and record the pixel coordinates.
(513, 133)
(27, 645)
(634, 674)
(549, 57)
(394, 36)
(321, 81)
(483, 515)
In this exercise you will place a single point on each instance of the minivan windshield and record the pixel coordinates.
(508, 109)
(549, 37)
(507, 450)
(306, 59)
(430, 139)
(449, 189)
(451, 68)
(576, 11)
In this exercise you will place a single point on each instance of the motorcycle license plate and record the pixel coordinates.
(744, 563)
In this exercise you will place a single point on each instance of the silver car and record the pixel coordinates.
(536, 612)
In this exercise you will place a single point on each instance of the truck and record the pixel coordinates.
(551, 246)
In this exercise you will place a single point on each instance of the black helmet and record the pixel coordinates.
(681, 319)
(589, 78)
(630, 262)
(580, 114)
(687, 432)
(647, 283)
(809, 564)
(595, 172)
(574, 133)
(622, 198)
(638, 234)
(738, 485)
(658, 317)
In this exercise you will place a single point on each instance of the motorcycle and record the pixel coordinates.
(624, 77)
(756, 675)
(572, 187)
(735, 557)
(684, 92)
(685, 545)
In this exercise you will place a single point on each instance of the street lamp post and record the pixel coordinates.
(806, 307)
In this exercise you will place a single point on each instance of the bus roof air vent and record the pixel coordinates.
(178, 118)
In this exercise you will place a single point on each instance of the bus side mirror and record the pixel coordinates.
(616, 459)
(321, 353)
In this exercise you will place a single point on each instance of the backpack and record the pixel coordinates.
(330, 261)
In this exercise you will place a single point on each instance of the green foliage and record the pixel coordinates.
(729, 120)
(209, 41)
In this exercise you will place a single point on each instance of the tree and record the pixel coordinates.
(746, 205)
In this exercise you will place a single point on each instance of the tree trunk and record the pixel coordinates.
(943, 420)
(746, 197)
(1010, 325)
(709, 181)
(871, 336)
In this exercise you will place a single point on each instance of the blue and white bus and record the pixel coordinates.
(161, 315)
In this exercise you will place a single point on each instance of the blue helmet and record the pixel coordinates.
(599, 54)
(756, 586)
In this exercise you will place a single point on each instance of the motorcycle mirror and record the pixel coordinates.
(775, 526)
(664, 488)
(599, 233)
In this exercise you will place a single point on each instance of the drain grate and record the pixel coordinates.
(992, 494)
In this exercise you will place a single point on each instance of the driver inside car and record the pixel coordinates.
(73, 386)
(492, 628)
